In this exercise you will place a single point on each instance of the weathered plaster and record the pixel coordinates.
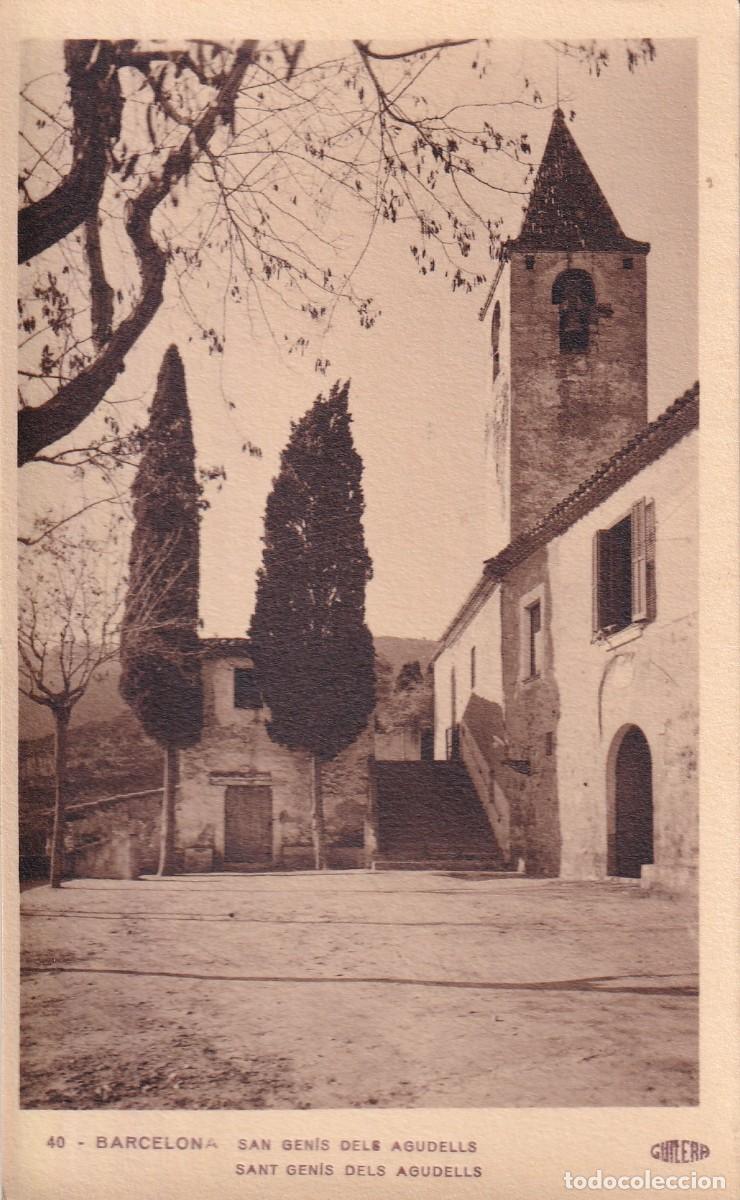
(532, 709)
(235, 747)
(650, 681)
(483, 632)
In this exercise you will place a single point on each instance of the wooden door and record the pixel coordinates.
(248, 823)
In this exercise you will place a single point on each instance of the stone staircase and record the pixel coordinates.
(428, 816)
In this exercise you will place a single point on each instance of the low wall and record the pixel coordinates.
(96, 835)
(113, 857)
(119, 836)
(136, 816)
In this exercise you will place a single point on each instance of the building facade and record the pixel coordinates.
(567, 682)
(565, 688)
(244, 800)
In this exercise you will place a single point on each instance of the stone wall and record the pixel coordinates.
(551, 740)
(114, 838)
(398, 745)
(528, 776)
(235, 748)
(113, 856)
(119, 836)
(569, 412)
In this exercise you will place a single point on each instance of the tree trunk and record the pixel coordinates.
(61, 725)
(96, 102)
(40, 425)
(317, 815)
(167, 838)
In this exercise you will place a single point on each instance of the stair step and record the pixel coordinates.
(429, 817)
(438, 864)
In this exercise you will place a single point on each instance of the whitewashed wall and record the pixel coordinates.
(646, 676)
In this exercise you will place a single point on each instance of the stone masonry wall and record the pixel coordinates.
(91, 825)
(531, 712)
(236, 747)
(571, 411)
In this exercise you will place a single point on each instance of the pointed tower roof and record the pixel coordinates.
(567, 208)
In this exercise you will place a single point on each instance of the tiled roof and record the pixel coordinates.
(645, 447)
(567, 208)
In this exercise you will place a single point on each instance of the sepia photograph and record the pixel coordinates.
(358, 576)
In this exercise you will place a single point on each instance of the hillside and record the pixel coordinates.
(398, 651)
(102, 702)
(108, 751)
(106, 758)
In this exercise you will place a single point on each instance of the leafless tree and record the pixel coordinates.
(66, 634)
(70, 610)
(151, 161)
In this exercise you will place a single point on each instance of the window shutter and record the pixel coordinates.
(650, 593)
(597, 581)
(639, 562)
(496, 338)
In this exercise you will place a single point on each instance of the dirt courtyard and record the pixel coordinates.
(356, 989)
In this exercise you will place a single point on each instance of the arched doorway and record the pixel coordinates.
(631, 840)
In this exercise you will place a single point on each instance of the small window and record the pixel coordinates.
(529, 262)
(496, 338)
(246, 691)
(532, 615)
(548, 744)
(472, 667)
(574, 294)
(624, 571)
(627, 264)
(533, 627)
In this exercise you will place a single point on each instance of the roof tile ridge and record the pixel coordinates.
(600, 474)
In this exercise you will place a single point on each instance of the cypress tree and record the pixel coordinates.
(311, 647)
(161, 674)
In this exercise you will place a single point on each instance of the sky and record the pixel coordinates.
(420, 375)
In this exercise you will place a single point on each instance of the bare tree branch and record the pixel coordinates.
(95, 96)
(47, 531)
(101, 293)
(273, 158)
(417, 50)
(41, 425)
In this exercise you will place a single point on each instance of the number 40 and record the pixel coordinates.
(56, 1143)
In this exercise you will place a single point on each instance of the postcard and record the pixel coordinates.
(369, 761)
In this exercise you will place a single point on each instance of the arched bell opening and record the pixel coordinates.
(573, 292)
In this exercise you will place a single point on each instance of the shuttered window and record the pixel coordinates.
(638, 550)
(650, 592)
(623, 581)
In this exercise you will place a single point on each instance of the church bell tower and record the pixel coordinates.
(569, 343)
